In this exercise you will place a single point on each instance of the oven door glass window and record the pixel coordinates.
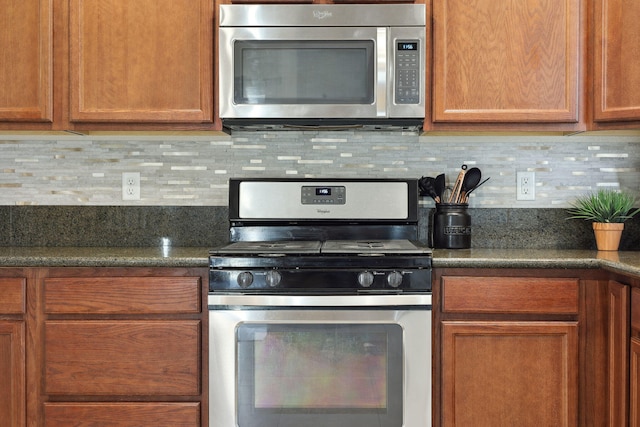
(319, 375)
(304, 72)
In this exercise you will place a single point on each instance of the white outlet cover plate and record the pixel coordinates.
(525, 185)
(131, 186)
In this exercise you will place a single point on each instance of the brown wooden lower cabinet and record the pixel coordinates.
(12, 351)
(634, 360)
(634, 392)
(122, 357)
(12, 373)
(618, 353)
(103, 347)
(507, 348)
(124, 347)
(505, 373)
(122, 414)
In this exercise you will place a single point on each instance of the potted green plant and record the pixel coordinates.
(607, 210)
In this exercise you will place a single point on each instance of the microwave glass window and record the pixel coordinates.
(304, 72)
(349, 372)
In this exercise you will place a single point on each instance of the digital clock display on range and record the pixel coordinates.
(323, 195)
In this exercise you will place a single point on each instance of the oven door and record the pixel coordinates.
(291, 361)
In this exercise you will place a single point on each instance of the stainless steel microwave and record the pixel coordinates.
(358, 64)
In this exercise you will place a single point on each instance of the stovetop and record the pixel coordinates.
(378, 247)
(315, 247)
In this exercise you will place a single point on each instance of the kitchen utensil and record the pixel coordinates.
(446, 195)
(471, 179)
(428, 188)
(469, 192)
(440, 185)
(457, 187)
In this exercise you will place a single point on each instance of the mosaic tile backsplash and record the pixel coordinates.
(193, 171)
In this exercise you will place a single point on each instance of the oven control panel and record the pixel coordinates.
(323, 195)
(307, 281)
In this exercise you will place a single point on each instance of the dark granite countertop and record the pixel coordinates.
(159, 256)
(627, 262)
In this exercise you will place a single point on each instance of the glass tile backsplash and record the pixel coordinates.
(193, 171)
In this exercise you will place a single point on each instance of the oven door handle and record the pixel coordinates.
(317, 301)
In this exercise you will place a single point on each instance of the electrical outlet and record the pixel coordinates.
(131, 186)
(525, 185)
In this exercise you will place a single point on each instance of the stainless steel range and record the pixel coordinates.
(320, 306)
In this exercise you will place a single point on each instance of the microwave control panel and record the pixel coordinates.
(407, 85)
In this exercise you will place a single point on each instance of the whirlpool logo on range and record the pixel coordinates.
(322, 14)
(323, 211)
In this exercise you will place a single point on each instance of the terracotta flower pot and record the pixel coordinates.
(608, 235)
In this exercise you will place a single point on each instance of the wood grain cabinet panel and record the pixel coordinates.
(634, 360)
(616, 60)
(13, 295)
(634, 392)
(506, 61)
(26, 61)
(122, 357)
(618, 352)
(12, 373)
(635, 309)
(12, 351)
(509, 295)
(122, 295)
(508, 373)
(154, 414)
(141, 61)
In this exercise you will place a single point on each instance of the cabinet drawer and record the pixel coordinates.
(510, 295)
(122, 414)
(122, 357)
(122, 295)
(12, 295)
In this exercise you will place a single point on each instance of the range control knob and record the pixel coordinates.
(365, 279)
(394, 279)
(245, 279)
(273, 278)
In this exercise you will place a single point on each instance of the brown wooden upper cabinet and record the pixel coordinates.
(506, 61)
(616, 71)
(107, 65)
(26, 61)
(141, 61)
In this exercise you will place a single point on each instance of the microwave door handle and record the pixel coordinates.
(381, 72)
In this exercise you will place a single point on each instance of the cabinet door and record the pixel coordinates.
(634, 392)
(12, 374)
(127, 357)
(618, 323)
(141, 60)
(506, 373)
(26, 92)
(506, 61)
(617, 60)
